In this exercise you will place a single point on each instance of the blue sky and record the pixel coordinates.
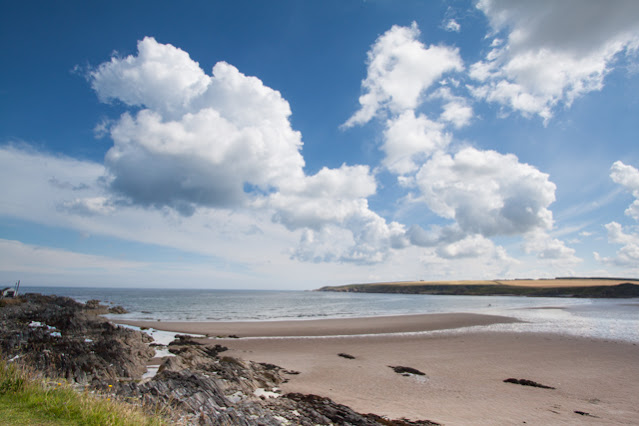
(296, 144)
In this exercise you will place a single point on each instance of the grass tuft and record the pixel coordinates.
(29, 398)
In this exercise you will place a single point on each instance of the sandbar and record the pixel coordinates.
(327, 327)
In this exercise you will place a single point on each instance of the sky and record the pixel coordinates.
(296, 144)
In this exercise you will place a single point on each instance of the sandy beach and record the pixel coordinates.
(595, 381)
(327, 327)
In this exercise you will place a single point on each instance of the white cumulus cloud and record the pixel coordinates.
(628, 177)
(554, 52)
(628, 255)
(409, 140)
(332, 208)
(483, 193)
(224, 141)
(201, 138)
(486, 192)
(400, 69)
(161, 77)
(457, 110)
(330, 196)
(549, 249)
(470, 246)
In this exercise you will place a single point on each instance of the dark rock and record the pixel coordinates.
(117, 310)
(215, 350)
(268, 366)
(583, 413)
(320, 410)
(406, 370)
(526, 382)
(182, 339)
(347, 356)
(93, 304)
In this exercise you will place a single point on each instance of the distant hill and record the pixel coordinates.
(557, 287)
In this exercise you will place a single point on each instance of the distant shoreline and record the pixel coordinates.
(557, 287)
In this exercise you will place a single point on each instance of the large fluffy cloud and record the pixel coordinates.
(225, 141)
(400, 70)
(486, 192)
(553, 52)
(199, 139)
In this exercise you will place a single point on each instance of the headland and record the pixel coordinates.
(554, 287)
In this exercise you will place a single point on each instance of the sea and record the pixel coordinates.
(609, 319)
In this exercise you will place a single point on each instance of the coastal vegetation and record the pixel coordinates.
(28, 398)
(558, 287)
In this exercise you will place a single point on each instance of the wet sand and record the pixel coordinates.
(327, 327)
(464, 371)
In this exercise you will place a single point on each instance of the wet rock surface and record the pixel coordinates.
(199, 385)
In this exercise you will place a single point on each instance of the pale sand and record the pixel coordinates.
(327, 327)
(465, 371)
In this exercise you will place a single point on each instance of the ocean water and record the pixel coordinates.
(613, 319)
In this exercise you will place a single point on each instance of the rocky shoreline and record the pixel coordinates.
(199, 384)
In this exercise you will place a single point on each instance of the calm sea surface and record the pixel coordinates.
(614, 319)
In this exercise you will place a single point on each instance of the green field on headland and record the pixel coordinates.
(557, 287)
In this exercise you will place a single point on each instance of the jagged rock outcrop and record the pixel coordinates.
(319, 410)
(64, 338)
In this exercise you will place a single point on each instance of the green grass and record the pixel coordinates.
(28, 399)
